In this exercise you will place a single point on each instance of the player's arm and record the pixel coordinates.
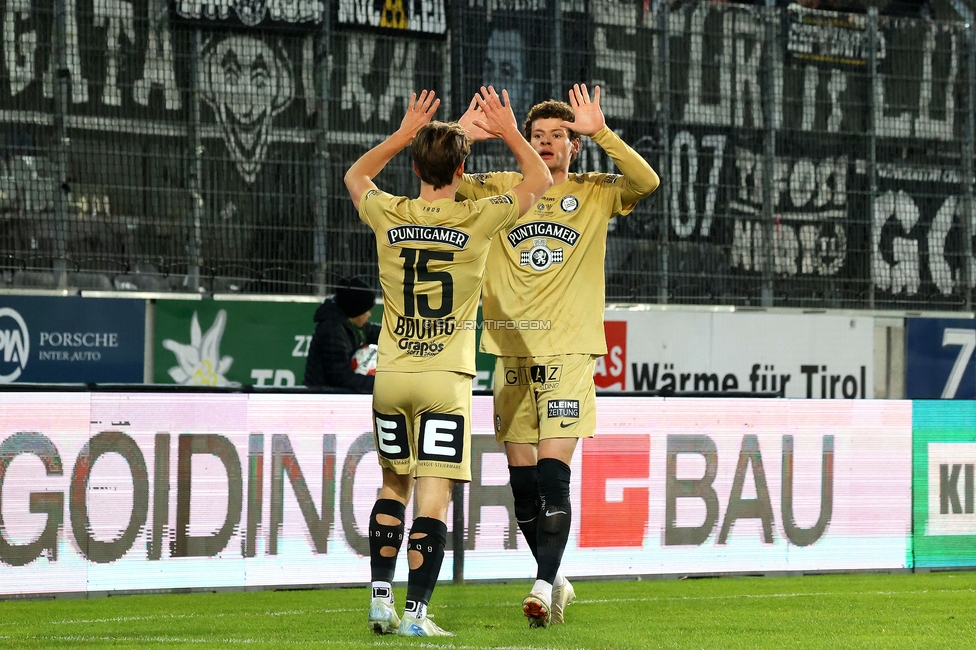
(499, 120)
(360, 176)
(639, 178)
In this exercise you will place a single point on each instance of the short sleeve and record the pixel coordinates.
(500, 212)
(480, 186)
(371, 204)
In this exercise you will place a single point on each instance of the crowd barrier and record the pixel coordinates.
(129, 491)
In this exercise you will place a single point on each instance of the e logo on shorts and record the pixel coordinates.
(441, 438)
(391, 436)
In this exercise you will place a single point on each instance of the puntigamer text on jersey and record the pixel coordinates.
(542, 229)
(435, 234)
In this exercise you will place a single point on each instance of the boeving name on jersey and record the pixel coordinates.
(542, 229)
(435, 234)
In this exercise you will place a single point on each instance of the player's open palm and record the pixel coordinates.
(589, 116)
(419, 111)
(467, 122)
(497, 111)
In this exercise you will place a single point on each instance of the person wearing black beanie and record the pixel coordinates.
(341, 327)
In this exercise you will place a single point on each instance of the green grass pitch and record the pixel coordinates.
(928, 610)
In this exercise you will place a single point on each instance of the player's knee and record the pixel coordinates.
(525, 490)
(386, 526)
(388, 513)
(554, 477)
(427, 538)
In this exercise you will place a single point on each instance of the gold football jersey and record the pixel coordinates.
(432, 260)
(545, 293)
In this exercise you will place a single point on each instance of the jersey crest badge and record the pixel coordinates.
(540, 257)
(569, 203)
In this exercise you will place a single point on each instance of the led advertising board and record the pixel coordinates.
(112, 491)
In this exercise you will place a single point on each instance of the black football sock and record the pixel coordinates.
(555, 516)
(383, 565)
(423, 579)
(525, 489)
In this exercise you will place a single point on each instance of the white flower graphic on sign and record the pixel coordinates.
(200, 361)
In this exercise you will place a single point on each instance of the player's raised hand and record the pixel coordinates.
(589, 115)
(497, 111)
(419, 111)
(474, 112)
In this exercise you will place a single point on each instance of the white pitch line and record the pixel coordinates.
(789, 595)
(252, 641)
(154, 617)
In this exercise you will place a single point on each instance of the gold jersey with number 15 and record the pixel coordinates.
(432, 258)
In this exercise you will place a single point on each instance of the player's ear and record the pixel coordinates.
(459, 172)
(415, 170)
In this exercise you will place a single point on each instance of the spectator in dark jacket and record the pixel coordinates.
(341, 329)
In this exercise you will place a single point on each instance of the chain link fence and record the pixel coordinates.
(809, 158)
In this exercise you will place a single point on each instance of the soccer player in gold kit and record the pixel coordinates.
(546, 276)
(432, 252)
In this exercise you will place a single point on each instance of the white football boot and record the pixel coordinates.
(383, 618)
(412, 626)
(537, 608)
(561, 597)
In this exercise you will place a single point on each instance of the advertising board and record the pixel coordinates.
(944, 455)
(939, 360)
(815, 356)
(213, 343)
(232, 343)
(104, 492)
(69, 339)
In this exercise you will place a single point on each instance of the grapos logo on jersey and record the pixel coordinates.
(610, 370)
(415, 334)
(428, 234)
(14, 345)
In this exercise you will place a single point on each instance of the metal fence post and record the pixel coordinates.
(458, 105)
(62, 142)
(769, 155)
(458, 532)
(557, 46)
(872, 144)
(323, 160)
(664, 119)
(196, 169)
(969, 216)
